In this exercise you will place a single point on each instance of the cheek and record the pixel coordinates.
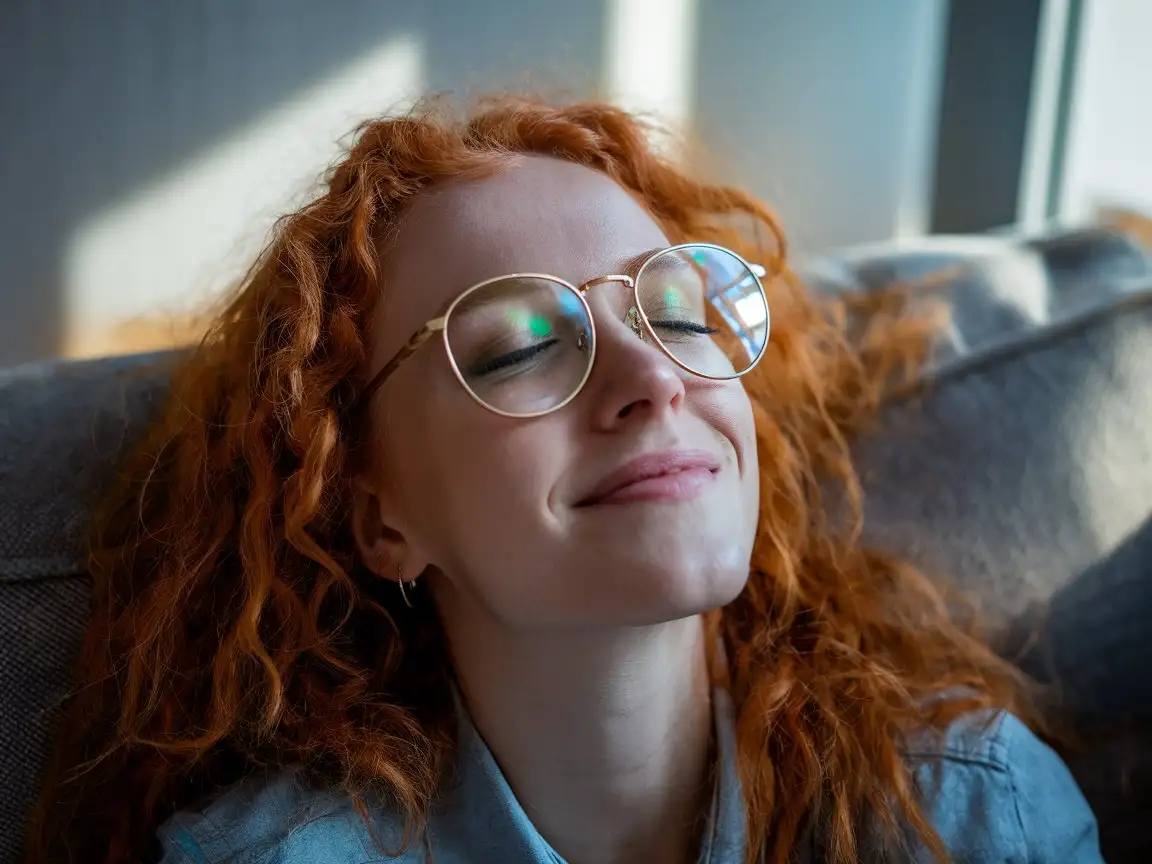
(726, 408)
(743, 421)
(470, 479)
(742, 429)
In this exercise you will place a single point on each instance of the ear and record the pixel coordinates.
(381, 542)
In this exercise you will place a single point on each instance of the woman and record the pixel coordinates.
(486, 525)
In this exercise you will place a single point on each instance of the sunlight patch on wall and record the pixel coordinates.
(138, 272)
(650, 56)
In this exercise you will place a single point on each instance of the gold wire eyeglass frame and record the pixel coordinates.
(637, 319)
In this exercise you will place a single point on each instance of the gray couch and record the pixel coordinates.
(1023, 468)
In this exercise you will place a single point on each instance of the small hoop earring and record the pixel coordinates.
(400, 582)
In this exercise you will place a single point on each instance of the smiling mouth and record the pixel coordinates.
(676, 475)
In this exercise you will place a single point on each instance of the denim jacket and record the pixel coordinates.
(993, 792)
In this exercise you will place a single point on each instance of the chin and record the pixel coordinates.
(669, 593)
(667, 571)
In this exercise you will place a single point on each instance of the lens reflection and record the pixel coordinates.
(522, 345)
(706, 307)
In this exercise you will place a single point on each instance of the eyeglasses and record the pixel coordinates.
(523, 345)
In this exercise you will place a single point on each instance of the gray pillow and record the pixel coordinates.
(1018, 468)
(1024, 473)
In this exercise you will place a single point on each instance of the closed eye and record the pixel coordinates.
(680, 326)
(510, 359)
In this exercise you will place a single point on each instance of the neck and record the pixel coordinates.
(604, 737)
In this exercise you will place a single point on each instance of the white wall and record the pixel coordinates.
(1109, 157)
(148, 144)
(827, 109)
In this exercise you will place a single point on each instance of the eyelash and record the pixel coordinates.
(496, 364)
(684, 327)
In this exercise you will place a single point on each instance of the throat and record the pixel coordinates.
(608, 748)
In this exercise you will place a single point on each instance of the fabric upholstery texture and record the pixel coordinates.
(62, 426)
(1025, 475)
(1023, 470)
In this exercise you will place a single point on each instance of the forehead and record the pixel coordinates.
(539, 215)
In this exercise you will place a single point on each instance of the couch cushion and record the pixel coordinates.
(1024, 473)
(1000, 285)
(1020, 467)
(62, 427)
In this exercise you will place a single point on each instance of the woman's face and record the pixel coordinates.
(505, 517)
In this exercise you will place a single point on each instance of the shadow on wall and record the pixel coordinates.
(152, 142)
(111, 98)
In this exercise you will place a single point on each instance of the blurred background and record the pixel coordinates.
(146, 146)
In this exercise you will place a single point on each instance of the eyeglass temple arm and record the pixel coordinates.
(409, 348)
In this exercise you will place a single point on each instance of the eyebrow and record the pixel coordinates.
(631, 265)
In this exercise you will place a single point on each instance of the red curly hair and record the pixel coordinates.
(233, 628)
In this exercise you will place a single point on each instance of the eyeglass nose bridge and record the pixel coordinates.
(626, 281)
(632, 319)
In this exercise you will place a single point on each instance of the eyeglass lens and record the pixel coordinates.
(523, 345)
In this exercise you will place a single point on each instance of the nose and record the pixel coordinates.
(632, 377)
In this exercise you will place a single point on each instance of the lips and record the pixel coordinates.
(675, 475)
